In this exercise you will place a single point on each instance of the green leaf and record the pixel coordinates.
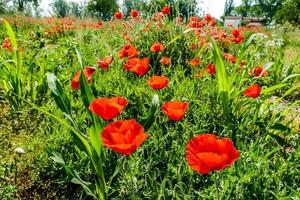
(95, 140)
(221, 72)
(17, 57)
(87, 186)
(280, 127)
(244, 49)
(75, 178)
(224, 86)
(271, 153)
(86, 92)
(79, 58)
(149, 118)
(55, 156)
(288, 92)
(87, 97)
(269, 90)
(289, 77)
(278, 139)
(60, 97)
(63, 104)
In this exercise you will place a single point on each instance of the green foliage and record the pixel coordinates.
(77, 9)
(3, 6)
(21, 4)
(140, 5)
(244, 8)
(263, 129)
(289, 12)
(102, 9)
(278, 10)
(269, 8)
(229, 7)
(61, 8)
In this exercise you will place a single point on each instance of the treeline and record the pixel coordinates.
(103, 9)
(272, 11)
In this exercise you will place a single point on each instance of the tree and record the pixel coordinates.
(102, 8)
(141, 5)
(244, 8)
(289, 12)
(21, 4)
(269, 8)
(3, 7)
(76, 9)
(61, 8)
(229, 7)
(260, 8)
(185, 8)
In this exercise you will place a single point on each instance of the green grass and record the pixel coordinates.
(269, 165)
(292, 50)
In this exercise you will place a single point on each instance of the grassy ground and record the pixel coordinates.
(267, 168)
(292, 50)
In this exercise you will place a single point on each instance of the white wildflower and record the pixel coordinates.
(19, 150)
(155, 100)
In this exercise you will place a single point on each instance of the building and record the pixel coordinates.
(237, 21)
(233, 21)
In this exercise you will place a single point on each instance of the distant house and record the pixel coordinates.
(236, 21)
(233, 21)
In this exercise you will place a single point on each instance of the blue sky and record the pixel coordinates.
(214, 7)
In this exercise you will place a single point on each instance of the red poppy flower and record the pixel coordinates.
(208, 17)
(178, 20)
(195, 62)
(123, 136)
(165, 60)
(166, 10)
(238, 39)
(175, 110)
(128, 51)
(158, 82)
(108, 108)
(104, 64)
(237, 36)
(258, 71)
(236, 32)
(226, 55)
(211, 69)
(157, 47)
(233, 59)
(6, 44)
(134, 13)
(88, 72)
(193, 46)
(253, 91)
(205, 153)
(137, 66)
(127, 37)
(194, 22)
(212, 22)
(230, 57)
(119, 15)
(244, 62)
(194, 19)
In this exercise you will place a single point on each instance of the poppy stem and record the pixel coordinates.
(217, 186)
(16, 169)
(129, 173)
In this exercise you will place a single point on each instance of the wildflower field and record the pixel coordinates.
(147, 108)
